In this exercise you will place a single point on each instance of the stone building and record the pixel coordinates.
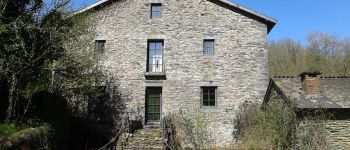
(312, 95)
(170, 56)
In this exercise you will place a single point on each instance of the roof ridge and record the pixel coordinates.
(283, 77)
(336, 77)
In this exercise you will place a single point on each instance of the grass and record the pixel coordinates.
(7, 129)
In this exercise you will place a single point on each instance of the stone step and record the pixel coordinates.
(139, 148)
(143, 139)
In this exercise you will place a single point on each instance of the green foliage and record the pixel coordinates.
(325, 53)
(9, 128)
(191, 128)
(271, 129)
(37, 45)
(31, 137)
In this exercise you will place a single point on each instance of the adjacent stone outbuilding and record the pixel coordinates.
(170, 56)
(310, 95)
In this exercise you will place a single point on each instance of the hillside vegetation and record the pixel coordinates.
(322, 52)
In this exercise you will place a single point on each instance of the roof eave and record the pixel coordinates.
(97, 4)
(270, 22)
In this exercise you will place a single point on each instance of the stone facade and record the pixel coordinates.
(238, 68)
(336, 128)
(338, 134)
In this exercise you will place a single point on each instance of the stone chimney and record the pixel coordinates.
(311, 83)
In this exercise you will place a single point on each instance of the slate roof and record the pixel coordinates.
(335, 92)
(270, 22)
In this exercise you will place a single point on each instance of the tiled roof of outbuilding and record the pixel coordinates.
(335, 92)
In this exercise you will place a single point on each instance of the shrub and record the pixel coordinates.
(278, 127)
(8, 129)
(310, 133)
(190, 130)
(33, 138)
(257, 129)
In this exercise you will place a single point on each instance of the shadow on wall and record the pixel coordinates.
(72, 131)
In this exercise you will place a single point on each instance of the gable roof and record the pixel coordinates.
(335, 92)
(270, 22)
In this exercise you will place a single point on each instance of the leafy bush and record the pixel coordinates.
(277, 126)
(8, 129)
(190, 130)
(33, 138)
(257, 129)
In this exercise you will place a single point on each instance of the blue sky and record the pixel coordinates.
(296, 18)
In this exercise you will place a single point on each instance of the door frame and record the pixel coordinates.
(152, 122)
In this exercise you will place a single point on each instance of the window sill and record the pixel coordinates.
(156, 20)
(155, 75)
(213, 109)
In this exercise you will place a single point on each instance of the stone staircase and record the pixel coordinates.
(142, 139)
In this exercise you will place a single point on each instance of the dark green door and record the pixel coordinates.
(153, 104)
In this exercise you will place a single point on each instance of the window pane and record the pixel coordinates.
(150, 109)
(205, 96)
(153, 95)
(155, 57)
(152, 45)
(159, 45)
(151, 60)
(100, 46)
(156, 101)
(155, 10)
(156, 15)
(212, 103)
(205, 90)
(156, 117)
(158, 53)
(157, 109)
(156, 7)
(209, 96)
(205, 103)
(151, 117)
(151, 101)
(212, 90)
(208, 46)
(212, 97)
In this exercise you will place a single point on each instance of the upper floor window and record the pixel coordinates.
(100, 46)
(155, 56)
(208, 46)
(155, 10)
(209, 95)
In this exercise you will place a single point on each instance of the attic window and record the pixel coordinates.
(155, 10)
(208, 48)
(100, 46)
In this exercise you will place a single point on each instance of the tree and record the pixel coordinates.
(323, 52)
(34, 41)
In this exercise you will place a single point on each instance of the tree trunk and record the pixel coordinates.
(12, 98)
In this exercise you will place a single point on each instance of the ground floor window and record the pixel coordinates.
(209, 96)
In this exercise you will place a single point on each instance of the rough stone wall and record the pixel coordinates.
(338, 134)
(238, 68)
